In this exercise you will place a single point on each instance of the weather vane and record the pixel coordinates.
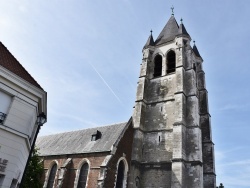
(172, 10)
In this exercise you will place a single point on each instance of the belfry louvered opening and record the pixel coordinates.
(157, 65)
(171, 62)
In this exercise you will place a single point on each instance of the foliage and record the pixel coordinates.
(34, 171)
(221, 186)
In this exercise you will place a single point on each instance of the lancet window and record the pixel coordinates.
(82, 181)
(157, 65)
(52, 176)
(171, 64)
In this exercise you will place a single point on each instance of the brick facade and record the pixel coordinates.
(95, 160)
(122, 149)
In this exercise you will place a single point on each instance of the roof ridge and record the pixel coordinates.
(20, 66)
(84, 129)
(76, 142)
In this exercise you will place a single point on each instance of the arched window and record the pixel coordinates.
(52, 176)
(158, 65)
(120, 175)
(171, 62)
(83, 176)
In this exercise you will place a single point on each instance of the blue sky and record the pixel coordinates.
(86, 55)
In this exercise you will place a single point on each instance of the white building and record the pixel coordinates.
(22, 99)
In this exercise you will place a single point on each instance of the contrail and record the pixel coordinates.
(106, 83)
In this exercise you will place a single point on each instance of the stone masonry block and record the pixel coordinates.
(190, 82)
(194, 145)
(192, 111)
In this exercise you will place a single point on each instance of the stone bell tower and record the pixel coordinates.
(172, 145)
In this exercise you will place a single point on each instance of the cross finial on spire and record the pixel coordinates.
(181, 20)
(151, 31)
(194, 42)
(172, 10)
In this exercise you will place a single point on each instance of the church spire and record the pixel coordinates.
(169, 31)
(150, 41)
(182, 30)
(196, 52)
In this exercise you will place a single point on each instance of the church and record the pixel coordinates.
(167, 142)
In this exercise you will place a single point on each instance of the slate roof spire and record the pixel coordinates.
(196, 52)
(169, 32)
(182, 30)
(150, 41)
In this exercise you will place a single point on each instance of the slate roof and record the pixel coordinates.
(77, 142)
(8, 61)
(196, 52)
(150, 41)
(182, 30)
(170, 31)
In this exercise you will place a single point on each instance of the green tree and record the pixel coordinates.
(33, 174)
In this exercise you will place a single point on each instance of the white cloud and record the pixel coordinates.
(234, 107)
(22, 8)
(232, 173)
(104, 81)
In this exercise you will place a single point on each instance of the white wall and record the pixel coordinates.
(22, 102)
(21, 116)
(15, 150)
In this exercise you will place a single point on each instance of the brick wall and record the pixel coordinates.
(124, 149)
(95, 160)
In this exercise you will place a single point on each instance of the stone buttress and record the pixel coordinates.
(172, 140)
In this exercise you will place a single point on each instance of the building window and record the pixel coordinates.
(171, 62)
(2, 117)
(82, 181)
(120, 175)
(52, 176)
(157, 66)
